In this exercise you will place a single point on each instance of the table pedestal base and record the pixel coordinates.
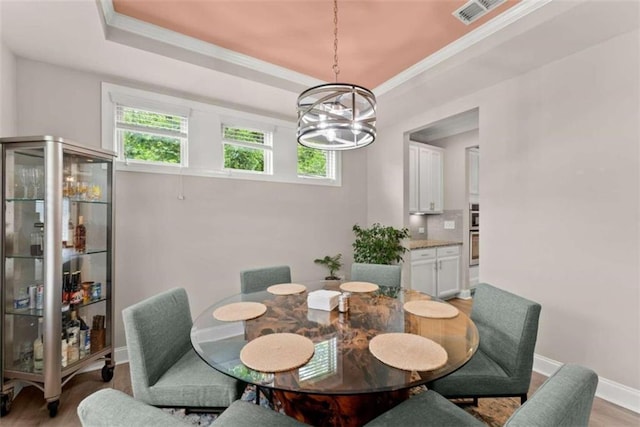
(337, 410)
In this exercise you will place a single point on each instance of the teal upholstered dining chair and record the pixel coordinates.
(113, 408)
(165, 370)
(508, 328)
(259, 279)
(380, 274)
(565, 399)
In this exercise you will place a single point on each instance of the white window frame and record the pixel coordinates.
(333, 163)
(183, 137)
(204, 148)
(266, 147)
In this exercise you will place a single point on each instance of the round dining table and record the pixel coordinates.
(343, 384)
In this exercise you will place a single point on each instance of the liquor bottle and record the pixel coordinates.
(80, 236)
(76, 290)
(64, 351)
(38, 351)
(66, 287)
(85, 338)
(73, 327)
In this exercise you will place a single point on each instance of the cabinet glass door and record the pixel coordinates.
(23, 255)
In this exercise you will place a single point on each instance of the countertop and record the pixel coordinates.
(429, 243)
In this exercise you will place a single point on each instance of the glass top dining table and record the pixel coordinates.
(342, 363)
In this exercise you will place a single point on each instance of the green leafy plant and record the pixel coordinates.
(379, 244)
(333, 263)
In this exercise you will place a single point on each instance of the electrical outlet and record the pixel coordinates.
(449, 225)
(421, 230)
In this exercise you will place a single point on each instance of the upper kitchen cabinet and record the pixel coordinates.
(425, 178)
(474, 171)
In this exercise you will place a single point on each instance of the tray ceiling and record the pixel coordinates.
(378, 39)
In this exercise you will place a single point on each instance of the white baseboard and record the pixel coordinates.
(464, 294)
(611, 391)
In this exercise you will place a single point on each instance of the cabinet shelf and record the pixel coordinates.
(65, 255)
(22, 199)
(33, 312)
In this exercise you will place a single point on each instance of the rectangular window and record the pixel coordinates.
(314, 163)
(246, 149)
(151, 137)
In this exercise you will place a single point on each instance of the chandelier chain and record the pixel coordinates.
(336, 69)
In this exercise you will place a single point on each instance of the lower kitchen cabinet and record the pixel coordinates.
(436, 271)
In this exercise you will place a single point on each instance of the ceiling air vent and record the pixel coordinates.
(474, 9)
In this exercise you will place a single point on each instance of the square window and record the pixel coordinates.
(246, 149)
(315, 163)
(151, 137)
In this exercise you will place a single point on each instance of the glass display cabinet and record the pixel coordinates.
(57, 264)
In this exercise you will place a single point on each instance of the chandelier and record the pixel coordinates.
(336, 116)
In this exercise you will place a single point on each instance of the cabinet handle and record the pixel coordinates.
(440, 267)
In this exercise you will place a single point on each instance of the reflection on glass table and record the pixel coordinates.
(342, 366)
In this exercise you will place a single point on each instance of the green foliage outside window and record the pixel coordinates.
(243, 158)
(151, 148)
(311, 162)
(236, 157)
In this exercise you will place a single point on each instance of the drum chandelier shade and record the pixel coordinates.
(336, 116)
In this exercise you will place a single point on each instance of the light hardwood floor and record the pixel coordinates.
(30, 409)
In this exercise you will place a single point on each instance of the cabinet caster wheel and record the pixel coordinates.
(53, 408)
(6, 404)
(107, 373)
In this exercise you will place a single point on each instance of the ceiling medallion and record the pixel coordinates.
(336, 116)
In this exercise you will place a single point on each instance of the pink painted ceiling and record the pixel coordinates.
(377, 39)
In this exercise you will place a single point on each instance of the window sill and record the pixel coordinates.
(229, 174)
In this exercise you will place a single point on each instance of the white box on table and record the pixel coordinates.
(323, 299)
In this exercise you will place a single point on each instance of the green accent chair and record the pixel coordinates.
(565, 399)
(501, 367)
(165, 370)
(113, 408)
(259, 279)
(380, 274)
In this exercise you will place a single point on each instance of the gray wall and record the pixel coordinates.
(221, 227)
(560, 197)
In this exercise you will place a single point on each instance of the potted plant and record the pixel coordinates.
(379, 244)
(333, 263)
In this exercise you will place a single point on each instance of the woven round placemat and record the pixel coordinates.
(277, 352)
(239, 311)
(408, 352)
(432, 309)
(359, 287)
(286, 289)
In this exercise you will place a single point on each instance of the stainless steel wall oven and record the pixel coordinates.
(474, 234)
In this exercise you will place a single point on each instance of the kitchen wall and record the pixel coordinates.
(221, 227)
(7, 91)
(560, 199)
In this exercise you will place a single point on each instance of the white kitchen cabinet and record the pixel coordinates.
(474, 172)
(423, 271)
(425, 179)
(436, 271)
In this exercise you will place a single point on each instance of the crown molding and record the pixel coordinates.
(491, 27)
